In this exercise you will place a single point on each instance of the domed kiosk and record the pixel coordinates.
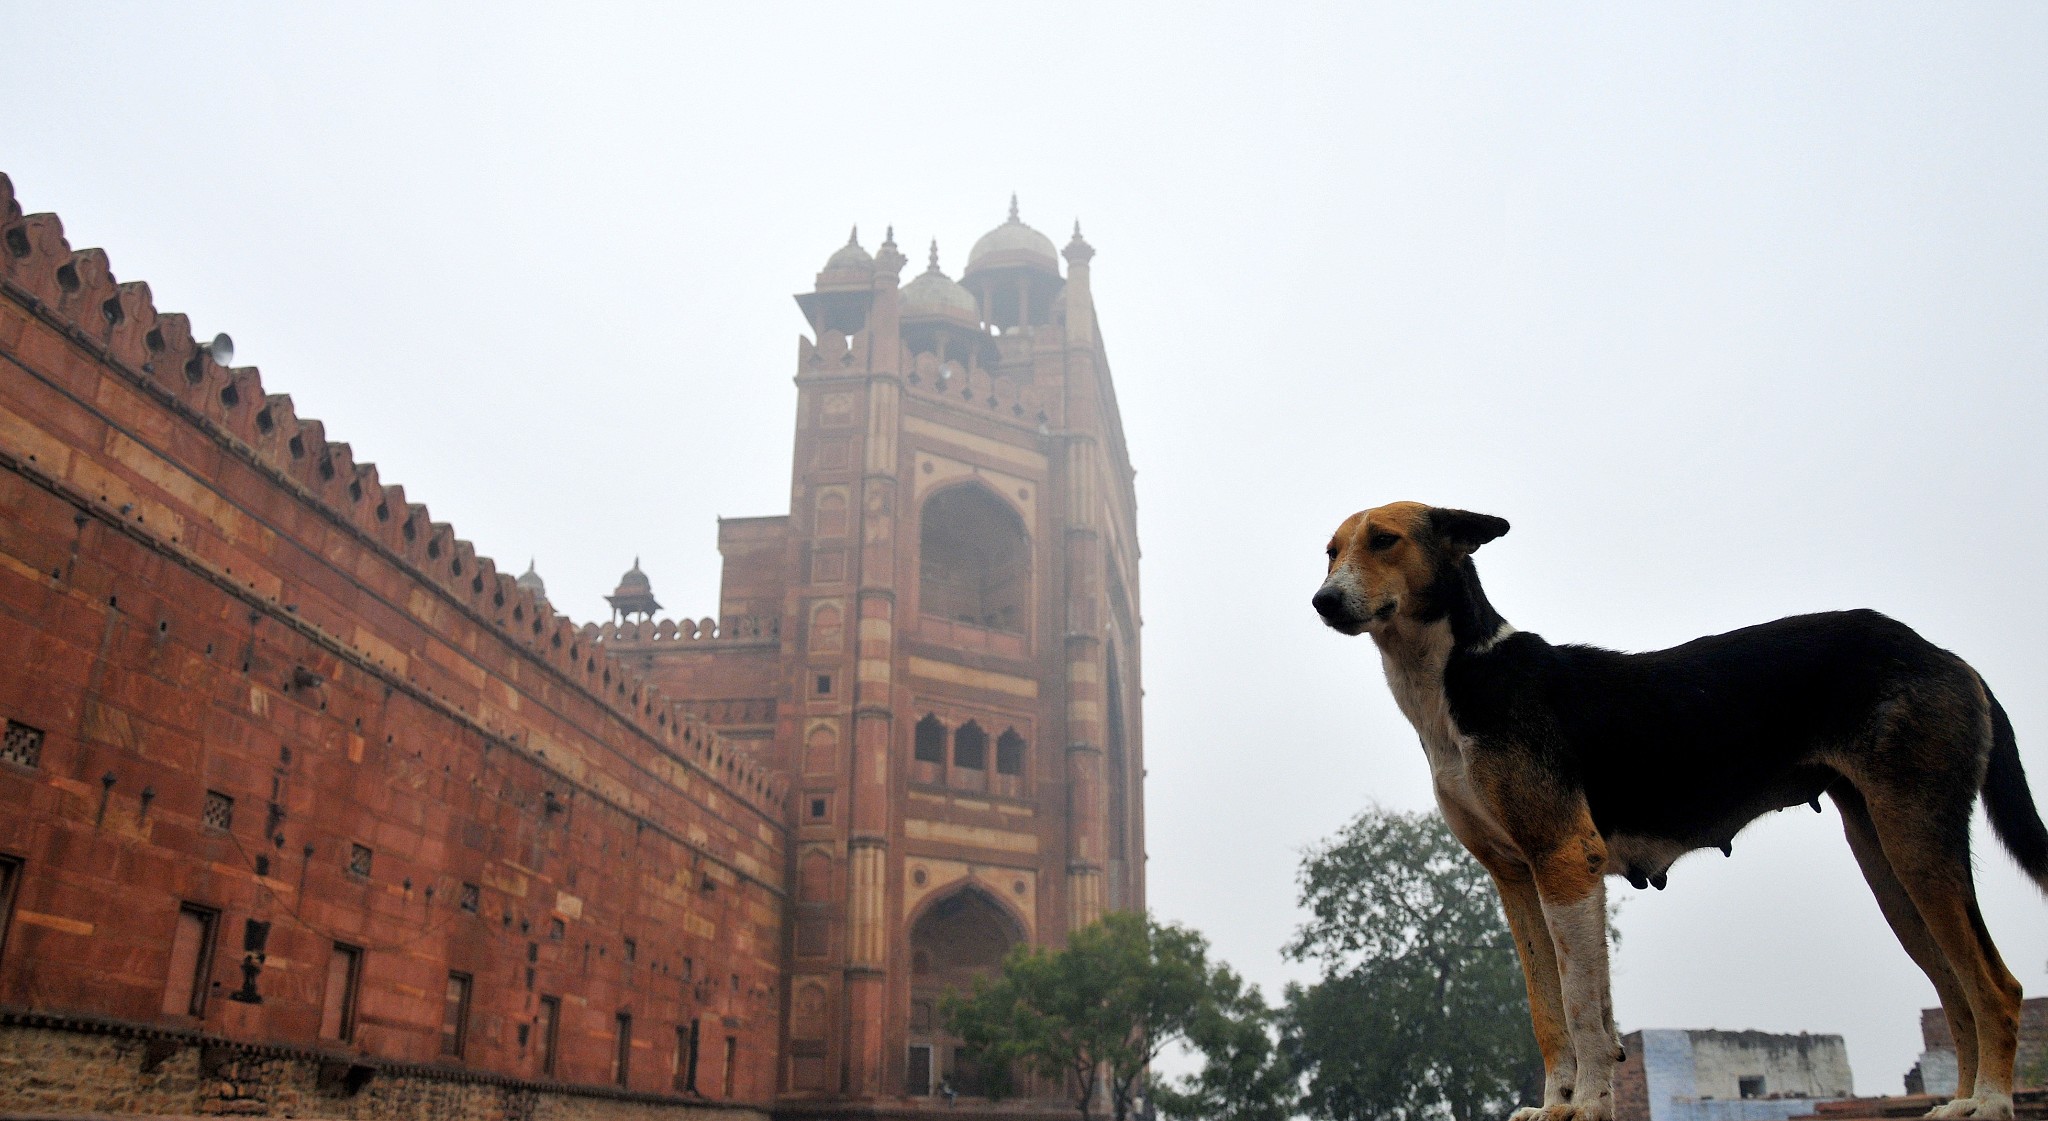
(633, 596)
(941, 317)
(1014, 273)
(840, 301)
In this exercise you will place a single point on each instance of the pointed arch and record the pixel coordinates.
(955, 938)
(928, 742)
(974, 559)
(1117, 818)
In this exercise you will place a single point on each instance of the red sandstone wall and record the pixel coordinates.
(198, 592)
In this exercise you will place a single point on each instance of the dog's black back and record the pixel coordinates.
(1691, 743)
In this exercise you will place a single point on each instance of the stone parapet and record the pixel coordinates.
(119, 325)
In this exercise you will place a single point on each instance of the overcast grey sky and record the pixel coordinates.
(1735, 311)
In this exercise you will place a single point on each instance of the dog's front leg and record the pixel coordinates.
(1570, 883)
(1524, 908)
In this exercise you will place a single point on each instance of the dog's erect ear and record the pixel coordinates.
(1464, 530)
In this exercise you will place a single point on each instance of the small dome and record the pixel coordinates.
(531, 581)
(852, 256)
(934, 293)
(633, 581)
(633, 596)
(1013, 243)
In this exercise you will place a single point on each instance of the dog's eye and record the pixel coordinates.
(1381, 541)
(1331, 552)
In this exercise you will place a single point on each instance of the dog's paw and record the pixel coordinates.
(1599, 1109)
(1526, 1113)
(1989, 1107)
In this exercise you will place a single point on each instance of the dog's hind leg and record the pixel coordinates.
(1911, 930)
(1524, 907)
(1927, 844)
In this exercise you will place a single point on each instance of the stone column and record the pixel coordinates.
(868, 791)
(1086, 818)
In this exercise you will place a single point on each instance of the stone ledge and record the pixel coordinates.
(2027, 1105)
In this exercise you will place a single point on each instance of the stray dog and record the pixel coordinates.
(1559, 765)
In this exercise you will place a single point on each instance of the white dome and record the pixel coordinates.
(1013, 243)
(850, 255)
(934, 293)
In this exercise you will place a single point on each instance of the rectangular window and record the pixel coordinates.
(218, 812)
(813, 936)
(622, 1060)
(632, 951)
(455, 1015)
(1750, 1086)
(732, 1055)
(359, 860)
(690, 1061)
(917, 1078)
(471, 898)
(22, 745)
(550, 1019)
(10, 886)
(344, 974)
(191, 961)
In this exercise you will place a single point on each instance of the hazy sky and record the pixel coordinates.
(1734, 311)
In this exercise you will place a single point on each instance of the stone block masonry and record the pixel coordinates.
(306, 809)
(286, 765)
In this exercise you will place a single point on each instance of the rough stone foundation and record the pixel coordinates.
(62, 1068)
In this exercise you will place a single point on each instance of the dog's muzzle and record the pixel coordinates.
(1330, 603)
(1340, 612)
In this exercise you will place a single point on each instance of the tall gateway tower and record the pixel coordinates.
(938, 646)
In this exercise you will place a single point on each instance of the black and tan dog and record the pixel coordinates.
(1559, 765)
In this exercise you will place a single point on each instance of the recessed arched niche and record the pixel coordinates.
(958, 938)
(974, 560)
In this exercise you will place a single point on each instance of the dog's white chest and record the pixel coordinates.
(1415, 675)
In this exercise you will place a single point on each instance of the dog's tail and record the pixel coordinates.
(2008, 802)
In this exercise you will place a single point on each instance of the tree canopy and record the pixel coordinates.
(1421, 1013)
(1094, 1015)
(1244, 1075)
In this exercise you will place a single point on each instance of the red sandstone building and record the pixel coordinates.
(310, 810)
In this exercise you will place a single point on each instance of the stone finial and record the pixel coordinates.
(1013, 209)
(1078, 251)
(888, 259)
(935, 255)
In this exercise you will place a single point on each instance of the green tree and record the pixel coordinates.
(1095, 1014)
(1421, 1013)
(1245, 1076)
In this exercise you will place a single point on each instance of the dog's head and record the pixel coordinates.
(1386, 562)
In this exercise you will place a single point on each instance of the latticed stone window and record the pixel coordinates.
(359, 860)
(23, 745)
(219, 811)
(471, 898)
